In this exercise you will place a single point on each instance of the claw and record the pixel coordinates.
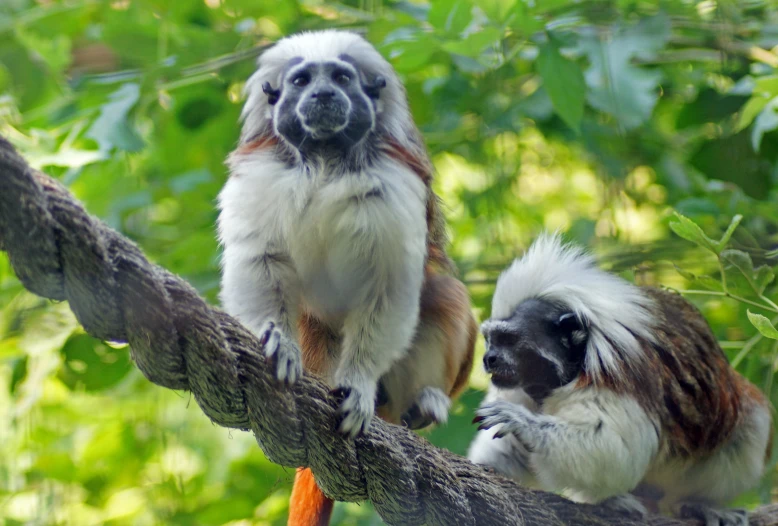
(357, 406)
(340, 394)
(281, 353)
(266, 334)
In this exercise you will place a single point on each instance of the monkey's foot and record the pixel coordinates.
(281, 351)
(710, 515)
(357, 406)
(431, 407)
(626, 504)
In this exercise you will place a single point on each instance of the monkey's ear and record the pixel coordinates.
(572, 328)
(374, 90)
(272, 94)
(569, 323)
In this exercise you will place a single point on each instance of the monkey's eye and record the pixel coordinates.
(301, 80)
(342, 78)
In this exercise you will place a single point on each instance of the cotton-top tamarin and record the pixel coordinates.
(334, 246)
(604, 391)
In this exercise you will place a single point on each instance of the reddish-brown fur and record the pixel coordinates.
(686, 380)
(261, 142)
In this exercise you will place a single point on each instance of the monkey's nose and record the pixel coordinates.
(324, 94)
(492, 360)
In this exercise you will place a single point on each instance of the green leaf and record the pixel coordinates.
(759, 279)
(688, 229)
(111, 128)
(767, 85)
(616, 85)
(765, 122)
(93, 365)
(412, 55)
(450, 16)
(763, 325)
(564, 83)
(741, 260)
(497, 10)
(706, 282)
(750, 110)
(474, 44)
(763, 277)
(730, 230)
(53, 51)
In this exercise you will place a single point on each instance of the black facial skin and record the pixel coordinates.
(323, 107)
(515, 348)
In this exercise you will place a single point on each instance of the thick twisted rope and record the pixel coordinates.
(178, 341)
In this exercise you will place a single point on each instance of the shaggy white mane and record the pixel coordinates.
(614, 310)
(392, 107)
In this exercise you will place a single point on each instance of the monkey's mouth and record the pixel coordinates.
(322, 120)
(505, 379)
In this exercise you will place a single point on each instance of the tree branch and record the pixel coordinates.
(178, 341)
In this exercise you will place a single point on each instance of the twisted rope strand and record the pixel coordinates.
(178, 341)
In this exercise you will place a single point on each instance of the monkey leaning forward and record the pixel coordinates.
(605, 391)
(333, 243)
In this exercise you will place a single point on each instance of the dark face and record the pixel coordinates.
(323, 107)
(539, 348)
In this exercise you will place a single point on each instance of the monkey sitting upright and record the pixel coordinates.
(603, 390)
(334, 247)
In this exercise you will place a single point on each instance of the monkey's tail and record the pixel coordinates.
(308, 506)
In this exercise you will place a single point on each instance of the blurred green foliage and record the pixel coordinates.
(599, 118)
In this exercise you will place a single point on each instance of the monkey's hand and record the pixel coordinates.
(283, 351)
(513, 419)
(357, 405)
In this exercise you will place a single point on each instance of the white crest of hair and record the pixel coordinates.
(614, 310)
(316, 46)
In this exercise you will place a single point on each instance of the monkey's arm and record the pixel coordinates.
(374, 338)
(597, 445)
(261, 289)
(506, 455)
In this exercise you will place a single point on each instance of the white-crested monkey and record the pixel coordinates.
(604, 391)
(334, 246)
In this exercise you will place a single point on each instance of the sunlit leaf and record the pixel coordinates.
(763, 325)
(749, 112)
(766, 121)
(688, 229)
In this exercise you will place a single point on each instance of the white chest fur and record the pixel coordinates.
(349, 236)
